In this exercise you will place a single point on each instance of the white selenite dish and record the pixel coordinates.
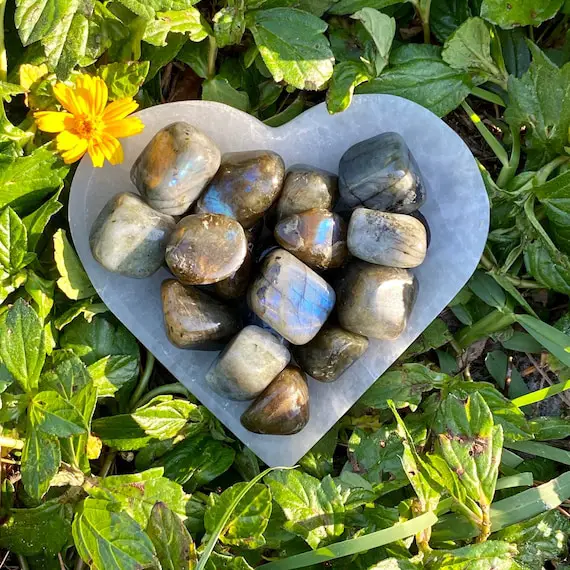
(457, 210)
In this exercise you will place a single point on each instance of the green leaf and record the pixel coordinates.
(26, 181)
(195, 54)
(540, 101)
(67, 376)
(174, 546)
(179, 21)
(542, 450)
(347, 75)
(42, 293)
(318, 461)
(552, 339)
(229, 24)
(73, 281)
(22, 344)
(550, 269)
(160, 56)
(488, 290)
(248, 520)
(37, 221)
(60, 25)
(197, 460)
(97, 339)
(110, 539)
(41, 458)
(124, 79)
(491, 554)
(394, 564)
(13, 244)
(219, 89)
(418, 73)
(434, 336)
(137, 494)
(163, 417)
(344, 7)
(313, 508)
(497, 364)
(515, 51)
(520, 13)
(120, 432)
(381, 29)
(446, 16)
(546, 428)
(86, 307)
(111, 373)
(53, 414)
(42, 530)
(404, 386)
(376, 454)
(293, 46)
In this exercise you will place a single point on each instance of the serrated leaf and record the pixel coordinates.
(53, 414)
(519, 13)
(73, 281)
(550, 269)
(293, 46)
(111, 373)
(110, 539)
(37, 221)
(318, 461)
(67, 374)
(13, 244)
(491, 554)
(313, 508)
(22, 344)
(120, 432)
(41, 458)
(163, 417)
(42, 293)
(249, 519)
(175, 21)
(174, 546)
(229, 24)
(87, 308)
(124, 79)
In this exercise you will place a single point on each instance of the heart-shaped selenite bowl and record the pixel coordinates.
(457, 210)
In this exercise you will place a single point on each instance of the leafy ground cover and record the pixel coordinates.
(457, 458)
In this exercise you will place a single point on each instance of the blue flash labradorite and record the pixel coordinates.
(290, 297)
(174, 168)
(245, 186)
(381, 173)
(129, 237)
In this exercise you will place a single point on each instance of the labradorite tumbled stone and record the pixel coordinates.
(206, 248)
(129, 237)
(305, 188)
(317, 237)
(174, 167)
(245, 186)
(282, 408)
(375, 301)
(290, 297)
(381, 173)
(193, 319)
(330, 353)
(395, 240)
(248, 364)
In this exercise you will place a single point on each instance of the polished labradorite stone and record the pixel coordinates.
(395, 240)
(290, 297)
(380, 173)
(245, 186)
(330, 353)
(282, 408)
(193, 319)
(375, 301)
(305, 188)
(206, 248)
(129, 237)
(248, 364)
(317, 237)
(175, 167)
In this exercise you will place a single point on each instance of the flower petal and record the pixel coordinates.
(121, 128)
(67, 140)
(75, 153)
(53, 121)
(119, 109)
(65, 95)
(96, 153)
(112, 149)
(94, 91)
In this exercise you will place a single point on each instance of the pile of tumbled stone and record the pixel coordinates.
(262, 256)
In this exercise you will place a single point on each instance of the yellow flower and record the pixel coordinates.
(88, 124)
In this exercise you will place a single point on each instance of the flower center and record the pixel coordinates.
(85, 127)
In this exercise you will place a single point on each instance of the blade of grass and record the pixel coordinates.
(355, 545)
(223, 521)
(511, 459)
(539, 395)
(542, 450)
(552, 339)
(518, 480)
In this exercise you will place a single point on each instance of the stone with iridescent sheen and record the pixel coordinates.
(317, 237)
(290, 297)
(248, 364)
(174, 168)
(330, 353)
(305, 188)
(381, 173)
(245, 186)
(195, 320)
(129, 237)
(206, 248)
(375, 301)
(395, 240)
(282, 408)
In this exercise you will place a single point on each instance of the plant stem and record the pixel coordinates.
(494, 322)
(107, 464)
(487, 96)
(490, 139)
(544, 173)
(11, 443)
(144, 380)
(175, 388)
(212, 54)
(22, 562)
(517, 281)
(509, 170)
(3, 57)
